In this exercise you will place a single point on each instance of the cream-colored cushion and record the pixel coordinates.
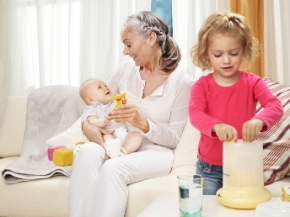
(38, 198)
(13, 126)
(69, 137)
(142, 193)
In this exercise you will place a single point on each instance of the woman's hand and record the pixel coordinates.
(94, 133)
(225, 133)
(251, 129)
(129, 113)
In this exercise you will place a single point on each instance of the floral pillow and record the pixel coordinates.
(276, 141)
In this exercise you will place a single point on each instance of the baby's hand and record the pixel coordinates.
(107, 120)
(225, 133)
(251, 129)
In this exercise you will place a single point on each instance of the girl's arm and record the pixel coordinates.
(272, 107)
(197, 110)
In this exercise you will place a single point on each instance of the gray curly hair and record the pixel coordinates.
(145, 22)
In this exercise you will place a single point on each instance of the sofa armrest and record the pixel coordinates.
(13, 125)
(185, 154)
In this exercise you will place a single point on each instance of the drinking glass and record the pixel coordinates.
(190, 195)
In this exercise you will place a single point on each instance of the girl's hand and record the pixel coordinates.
(129, 113)
(225, 133)
(251, 129)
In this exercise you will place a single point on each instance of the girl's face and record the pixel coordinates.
(225, 54)
(136, 47)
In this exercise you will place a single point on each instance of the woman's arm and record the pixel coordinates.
(165, 134)
(94, 133)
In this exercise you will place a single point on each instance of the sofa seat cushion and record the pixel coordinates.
(46, 197)
(141, 194)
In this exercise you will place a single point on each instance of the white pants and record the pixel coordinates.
(98, 187)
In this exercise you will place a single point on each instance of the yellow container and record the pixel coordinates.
(243, 181)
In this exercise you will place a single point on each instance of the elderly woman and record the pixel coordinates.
(157, 106)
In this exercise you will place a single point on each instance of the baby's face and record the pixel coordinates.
(97, 90)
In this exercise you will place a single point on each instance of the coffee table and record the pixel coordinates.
(166, 205)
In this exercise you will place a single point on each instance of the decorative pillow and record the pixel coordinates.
(276, 141)
(69, 137)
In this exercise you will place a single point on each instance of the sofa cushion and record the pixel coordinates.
(13, 125)
(69, 137)
(276, 154)
(142, 193)
(38, 198)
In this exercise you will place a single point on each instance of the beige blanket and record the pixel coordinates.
(50, 111)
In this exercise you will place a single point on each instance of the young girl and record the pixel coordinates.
(223, 103)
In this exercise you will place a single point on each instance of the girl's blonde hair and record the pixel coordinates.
(224, 23)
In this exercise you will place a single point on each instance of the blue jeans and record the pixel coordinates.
(212, 177)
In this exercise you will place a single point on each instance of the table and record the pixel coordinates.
(166, 205)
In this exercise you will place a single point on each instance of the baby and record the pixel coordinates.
(96, 95)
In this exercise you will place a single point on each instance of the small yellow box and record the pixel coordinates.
(286, 193)
(63, 157)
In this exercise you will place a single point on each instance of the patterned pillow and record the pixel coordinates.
(276, 141)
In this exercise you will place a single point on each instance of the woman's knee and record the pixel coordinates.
(113, 168)
(90, 150)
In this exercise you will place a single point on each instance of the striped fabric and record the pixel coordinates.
(276, 141)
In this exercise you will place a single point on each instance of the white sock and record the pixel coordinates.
(114, 147)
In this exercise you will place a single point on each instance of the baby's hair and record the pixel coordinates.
(83, 93)
(228, 24)
(145, 22)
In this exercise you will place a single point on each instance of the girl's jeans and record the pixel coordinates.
(213, 177)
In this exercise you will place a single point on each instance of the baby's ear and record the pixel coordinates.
(89, 100)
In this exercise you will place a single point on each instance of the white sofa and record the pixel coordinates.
(48, 197)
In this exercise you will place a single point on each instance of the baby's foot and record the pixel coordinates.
(114, 147)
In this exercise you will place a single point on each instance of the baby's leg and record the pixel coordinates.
(112, 145)
(132, 142)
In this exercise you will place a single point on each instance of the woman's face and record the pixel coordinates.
(137, 47)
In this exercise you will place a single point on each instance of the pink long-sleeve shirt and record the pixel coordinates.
(234, 105)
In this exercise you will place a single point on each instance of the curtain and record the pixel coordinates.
(48, 42)
(188, 16)
(254, 11)
(277, 43)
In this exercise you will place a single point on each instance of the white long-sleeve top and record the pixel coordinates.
(166, 109)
